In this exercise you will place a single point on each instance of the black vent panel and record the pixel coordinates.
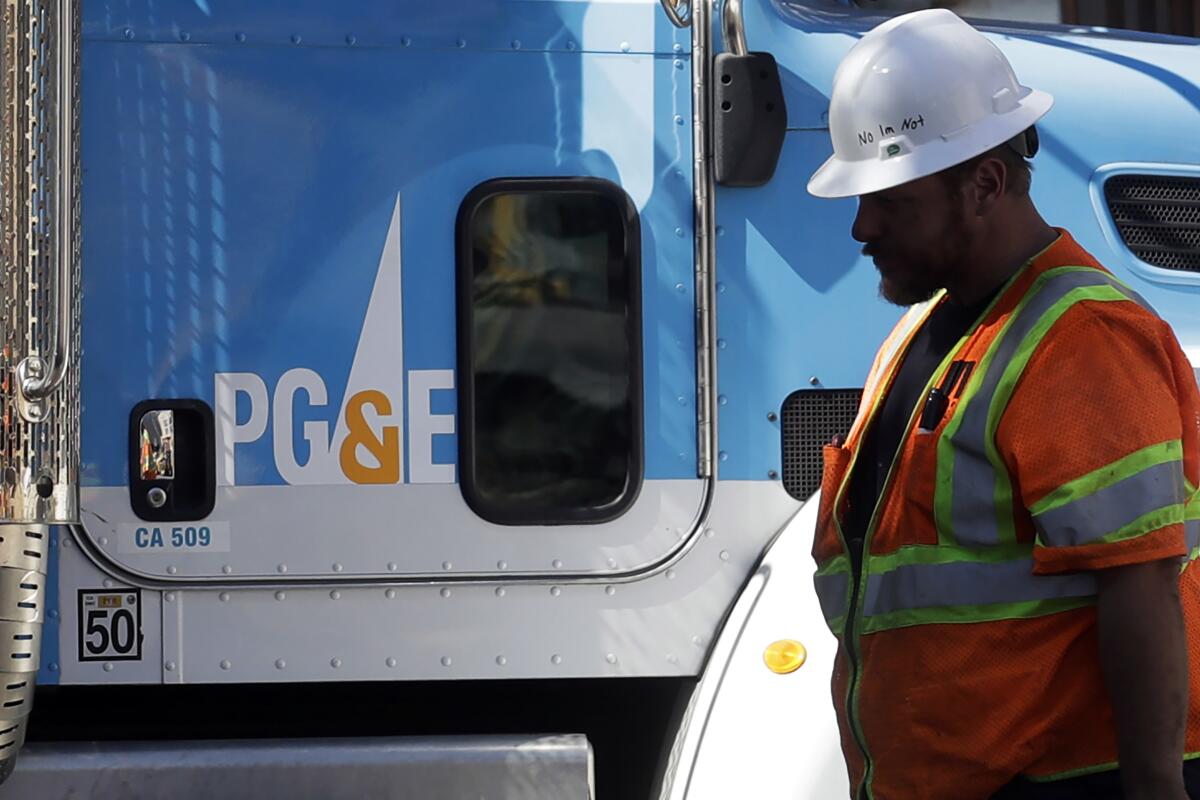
(1158, 217)
(811, 418)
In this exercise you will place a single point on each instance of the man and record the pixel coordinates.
(1005, 534)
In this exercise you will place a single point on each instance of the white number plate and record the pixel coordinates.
(174, 537)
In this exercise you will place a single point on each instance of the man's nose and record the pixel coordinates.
(868, 223)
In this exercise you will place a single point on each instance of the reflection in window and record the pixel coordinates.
(549, 351)
(157, 443)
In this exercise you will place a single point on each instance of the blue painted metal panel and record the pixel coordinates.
(797, 301)
(49, 664)
(615, 26)
(236, 197)
(226, 149)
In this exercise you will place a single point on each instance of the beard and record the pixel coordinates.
(908, 276)
(907, 292)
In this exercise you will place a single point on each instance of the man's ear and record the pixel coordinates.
(989, 184)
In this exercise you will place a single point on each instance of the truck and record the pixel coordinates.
(425, 400)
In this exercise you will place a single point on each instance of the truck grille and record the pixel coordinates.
(811, 417)
(1158, 217)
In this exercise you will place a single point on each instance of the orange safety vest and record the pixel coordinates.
(968, 649)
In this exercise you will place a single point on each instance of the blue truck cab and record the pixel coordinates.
(443, 385)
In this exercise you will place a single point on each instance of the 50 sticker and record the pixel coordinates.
(110, 625)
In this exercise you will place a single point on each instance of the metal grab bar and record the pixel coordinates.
(34, 380)
(672, 9)
(733, 27)
(704, 180)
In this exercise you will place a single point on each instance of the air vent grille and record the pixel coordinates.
(1158, 217)
(811, 417)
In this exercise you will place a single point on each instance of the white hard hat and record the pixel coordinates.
(920, 93)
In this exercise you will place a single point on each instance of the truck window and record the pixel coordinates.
(549, 351)
(1152, 16)
(1015, 10)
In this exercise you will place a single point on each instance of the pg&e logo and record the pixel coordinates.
(366, 444)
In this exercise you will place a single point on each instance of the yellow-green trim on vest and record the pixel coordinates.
(1015, 368)
(1107, 504)
(969, 591)
(973, 493)
(1109, 475)
(898, 344)
(1191, 525)
(832, 583)
(1092, 770)
(983, 380)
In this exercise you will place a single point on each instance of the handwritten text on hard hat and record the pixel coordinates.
(908, 124)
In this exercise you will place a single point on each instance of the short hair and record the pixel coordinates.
(1019, 169)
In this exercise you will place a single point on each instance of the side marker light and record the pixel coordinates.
(785, 656)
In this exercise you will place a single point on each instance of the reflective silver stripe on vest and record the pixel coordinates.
(1192, 529)
(973, 506)
(1109, 509)
(911, 320)
(968, 583)
(831, 591)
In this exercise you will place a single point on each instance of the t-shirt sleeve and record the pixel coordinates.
(1098, 440)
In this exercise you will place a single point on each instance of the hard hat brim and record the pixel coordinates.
(838, 178)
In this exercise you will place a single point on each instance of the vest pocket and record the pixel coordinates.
(837, 461)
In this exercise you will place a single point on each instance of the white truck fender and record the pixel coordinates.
(749, 732)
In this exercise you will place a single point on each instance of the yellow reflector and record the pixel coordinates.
(784, 656)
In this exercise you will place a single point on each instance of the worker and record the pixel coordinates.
(1005, 534)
